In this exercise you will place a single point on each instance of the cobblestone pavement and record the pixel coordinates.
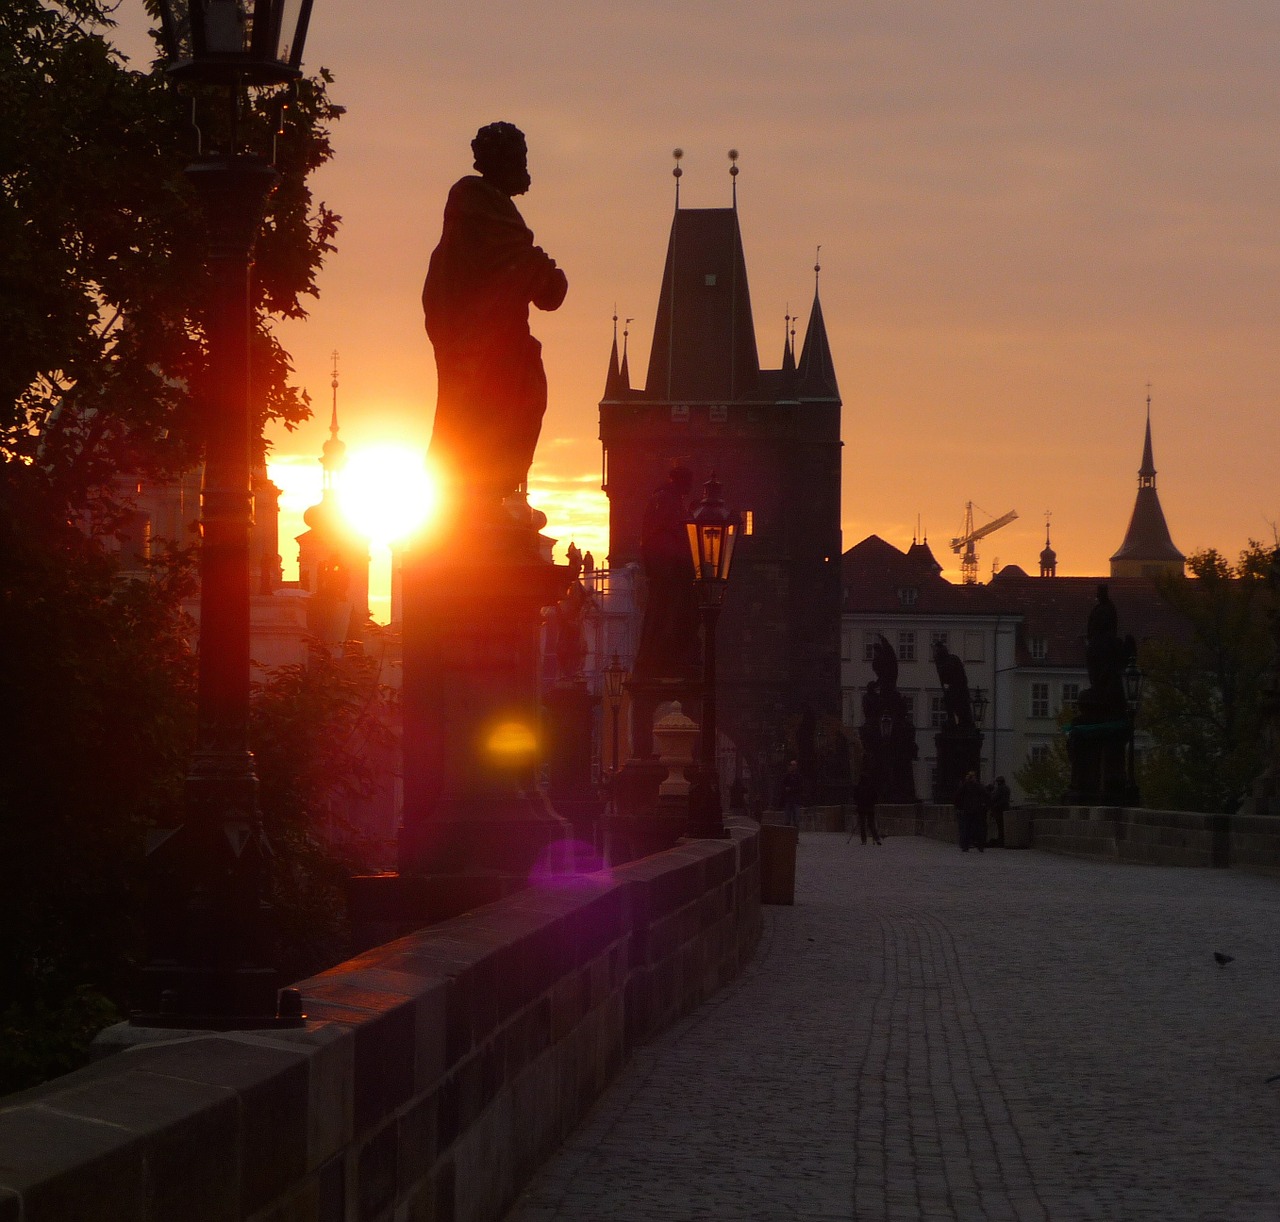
(929, 1034)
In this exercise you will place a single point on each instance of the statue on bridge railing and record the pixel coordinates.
(483, 276)
(1100, 736)
(888, 733)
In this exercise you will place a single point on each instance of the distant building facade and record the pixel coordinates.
(772, 437)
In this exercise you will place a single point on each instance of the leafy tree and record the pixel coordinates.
(1202, 705)
(314, 730)
(103, 366)
(103, 371)
(1046, 779)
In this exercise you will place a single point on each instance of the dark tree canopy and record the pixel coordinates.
(102, 374)
(102, 356)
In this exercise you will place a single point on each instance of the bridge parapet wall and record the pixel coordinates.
(1137, 836)
(436, 1074)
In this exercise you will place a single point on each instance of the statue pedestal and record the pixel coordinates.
(959, 753)
(1098, 751)
(476, 825)
(642, 822)
(567, 722)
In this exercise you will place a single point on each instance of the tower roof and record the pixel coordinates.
(1147, 541)
(613, 382)
(704, 340)
(817, 371)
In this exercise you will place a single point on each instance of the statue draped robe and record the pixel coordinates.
(492, 390)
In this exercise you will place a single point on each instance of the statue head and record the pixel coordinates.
(502, 157)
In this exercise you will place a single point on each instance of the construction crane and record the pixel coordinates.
(963, 543)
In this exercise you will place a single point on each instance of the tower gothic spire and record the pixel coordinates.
(1148, 547)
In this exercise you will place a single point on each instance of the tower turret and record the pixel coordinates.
(1148, 548)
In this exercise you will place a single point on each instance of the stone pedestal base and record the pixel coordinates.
(959, 753)
(476, 826)
(1098, 751)
(641, 822)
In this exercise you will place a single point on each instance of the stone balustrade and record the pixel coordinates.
(435, 1075)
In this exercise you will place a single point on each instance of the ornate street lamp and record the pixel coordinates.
(978, 702)
(210, 964)
(614, 676)
(713, 532)
(1133, 685)
(228, 42)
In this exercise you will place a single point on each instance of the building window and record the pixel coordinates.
(907, 595)
(680, 412)
(1039, 700)
(937, 712)
(846, 645)
(869, 642)
(748, 521)
(973, 647)
(1038, 648)
(850, 707)
(1037, 753)
(906, 646)
(938, 638)
(719, 413)
(709, 280)
(1070, 697)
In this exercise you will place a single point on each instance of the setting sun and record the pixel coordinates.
(385, 492)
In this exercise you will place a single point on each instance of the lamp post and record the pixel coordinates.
(614, 676)
(1133, 701)
(978, 703)
(713, 532)
(210, 954)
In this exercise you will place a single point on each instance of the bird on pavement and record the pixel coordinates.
(1222, 960)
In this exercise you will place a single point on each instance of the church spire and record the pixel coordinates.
(816, 369)
(613, 382)
(788, 344)
(1147, 472)
(624, 369)
(1048, 557)
(333, 456)
(1148, 547)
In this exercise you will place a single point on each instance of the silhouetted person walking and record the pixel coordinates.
(792, 789)
(864, 797)
(1000, 801)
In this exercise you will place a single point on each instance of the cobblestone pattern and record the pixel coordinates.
(930, 1035)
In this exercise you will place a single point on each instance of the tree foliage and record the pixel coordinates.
(1202, 706)
(315, 730)
(103, 374)
(1045, 780)
(103, 365)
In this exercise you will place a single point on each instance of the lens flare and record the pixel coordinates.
(511, 742)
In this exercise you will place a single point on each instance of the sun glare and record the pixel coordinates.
(385, 492)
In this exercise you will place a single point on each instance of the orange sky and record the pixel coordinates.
(1026, 211)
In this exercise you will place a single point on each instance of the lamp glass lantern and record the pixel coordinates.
(1133, 684)
(255, 42)
(614, 674)
(979, 701)
(713, 532)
